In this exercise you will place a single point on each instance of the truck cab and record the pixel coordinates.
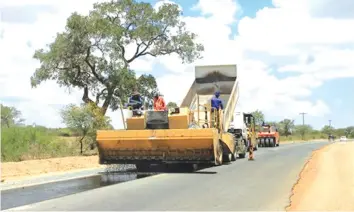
(239, 126)
(239, 130)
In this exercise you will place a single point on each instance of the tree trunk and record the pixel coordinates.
(85, 97)
(81, 145)
(107, 102)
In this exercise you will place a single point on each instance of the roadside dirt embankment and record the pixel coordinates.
(327, 181)
(30, 168)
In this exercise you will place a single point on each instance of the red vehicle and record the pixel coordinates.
(268, 136)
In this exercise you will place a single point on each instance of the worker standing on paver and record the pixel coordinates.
(216, 106)
(135, 100)
(159, 103)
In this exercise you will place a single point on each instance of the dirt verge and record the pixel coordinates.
(30, 168)
(326, 182)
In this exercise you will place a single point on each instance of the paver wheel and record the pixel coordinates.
(272, 142)
(219, 155)
(142, 167)
(267, 142)
(262, 142)
(227, 158)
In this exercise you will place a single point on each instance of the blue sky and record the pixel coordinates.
(337, 93)
(283, 69)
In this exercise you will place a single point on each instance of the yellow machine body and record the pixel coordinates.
(137, 144)
(190, 137)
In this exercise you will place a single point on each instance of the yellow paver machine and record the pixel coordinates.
(192, 134)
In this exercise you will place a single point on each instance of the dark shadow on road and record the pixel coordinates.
(31, 194)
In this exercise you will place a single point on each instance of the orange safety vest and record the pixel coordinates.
(159, 104)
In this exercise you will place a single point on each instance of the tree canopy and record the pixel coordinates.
(258, 117)
(327, 129)
(91, 54)
(172, 105)
(10, 116)
(84, 120)
(286, 126)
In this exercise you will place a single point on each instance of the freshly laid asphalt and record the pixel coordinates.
(262, 184)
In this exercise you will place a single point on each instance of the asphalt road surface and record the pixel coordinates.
(263, 184)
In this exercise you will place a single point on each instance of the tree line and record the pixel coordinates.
(287, 127)
(20, 141)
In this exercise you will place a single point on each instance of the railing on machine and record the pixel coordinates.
(210, 119)
(230, 107)
(225, 115)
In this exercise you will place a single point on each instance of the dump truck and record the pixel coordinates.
(268, 136)
(189, 135)
(243, 128)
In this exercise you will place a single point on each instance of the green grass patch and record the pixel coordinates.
(299, 138)
(24, 143)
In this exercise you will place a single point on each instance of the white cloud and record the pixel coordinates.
(289, 30)
(221, 11)
(320, 48)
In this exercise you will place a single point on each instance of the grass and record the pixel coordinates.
(26, 143)
(306, 137)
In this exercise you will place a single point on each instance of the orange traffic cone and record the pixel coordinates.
(250, 154)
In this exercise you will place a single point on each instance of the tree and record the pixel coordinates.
(91, 53)
(172, 105)
(286, 127)
(84, 120)
(258, 117)
(349, 132)
(147, 86)
(10, 116)
(327, 130)
(302, 130)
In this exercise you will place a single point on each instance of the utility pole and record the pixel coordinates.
(303, 124)
(329, 121)
(303, 118)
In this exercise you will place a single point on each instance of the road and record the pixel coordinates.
(263, 184)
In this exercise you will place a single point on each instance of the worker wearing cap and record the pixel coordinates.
(216, 102)
(159, 102)
(216, 105)
(135, 100)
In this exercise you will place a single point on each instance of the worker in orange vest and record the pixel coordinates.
(159, 102)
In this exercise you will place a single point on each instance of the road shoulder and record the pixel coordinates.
(326, 181)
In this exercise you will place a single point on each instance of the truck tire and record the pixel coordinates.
(234, 156)
(242, 155)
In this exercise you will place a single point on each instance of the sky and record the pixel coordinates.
(292, 56)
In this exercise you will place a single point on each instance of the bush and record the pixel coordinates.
(22, 143)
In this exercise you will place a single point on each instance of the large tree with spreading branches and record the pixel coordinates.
(91, 54)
